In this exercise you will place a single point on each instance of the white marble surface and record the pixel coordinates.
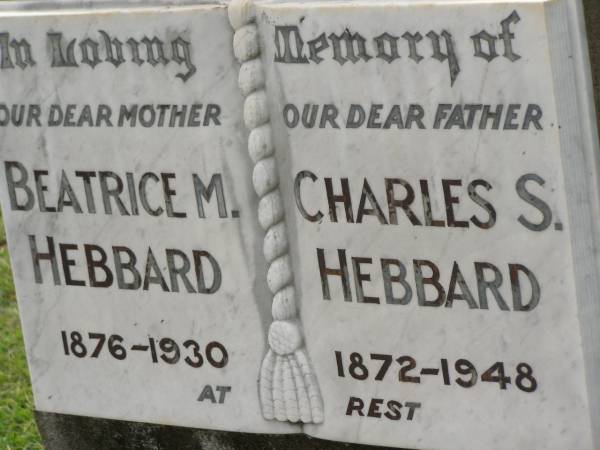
(556, 415)
(236, 315)
(557, 338)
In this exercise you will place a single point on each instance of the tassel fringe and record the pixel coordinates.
(288, 387)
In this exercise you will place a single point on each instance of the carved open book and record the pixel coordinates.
(366, 221)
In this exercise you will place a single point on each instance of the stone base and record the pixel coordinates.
(67, 432)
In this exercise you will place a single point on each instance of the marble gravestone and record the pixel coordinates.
(439, 229)
(372, 222)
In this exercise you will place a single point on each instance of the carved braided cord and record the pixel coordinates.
(288, 387)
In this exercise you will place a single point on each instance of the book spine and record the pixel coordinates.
(288, 386)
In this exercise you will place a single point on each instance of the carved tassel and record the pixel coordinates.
(288, 387)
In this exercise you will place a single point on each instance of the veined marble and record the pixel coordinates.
(132, 141)
(376, 218)
(434, 231)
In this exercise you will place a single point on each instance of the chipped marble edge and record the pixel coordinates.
(44, 7)
(20, 8)
(285, 4)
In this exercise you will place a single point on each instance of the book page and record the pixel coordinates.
(430, 227)
(131, 221)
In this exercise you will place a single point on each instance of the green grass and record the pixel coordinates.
(17, 425)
